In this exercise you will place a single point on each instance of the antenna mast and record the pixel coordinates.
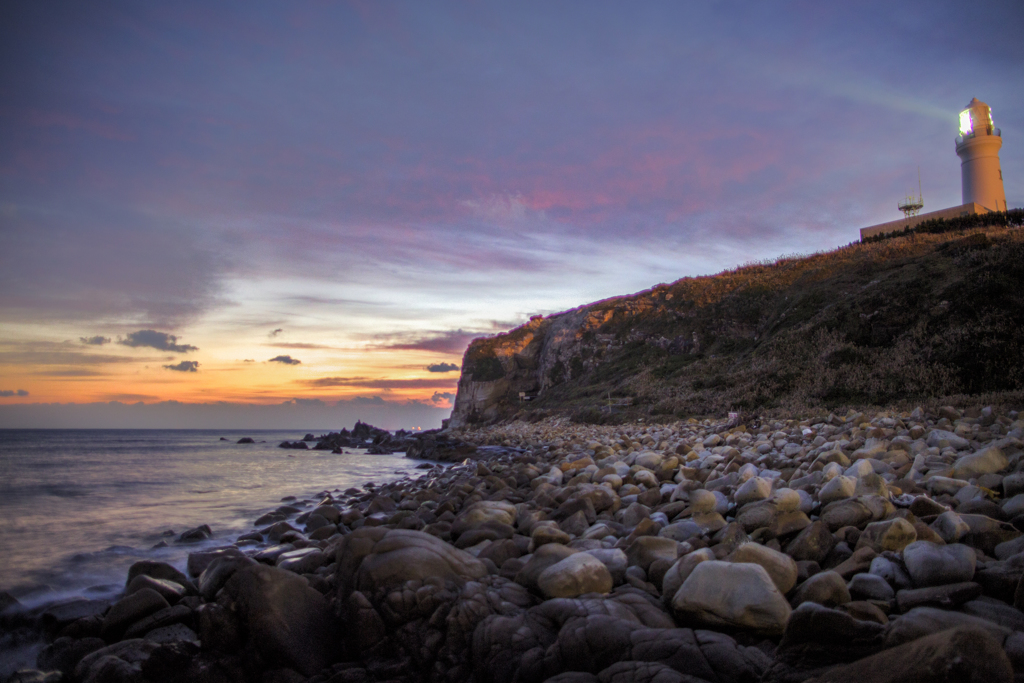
(912, 205)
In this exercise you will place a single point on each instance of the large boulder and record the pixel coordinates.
(813, 543)
(892, 534)
(575, 575)
(130, 609)
(974, 465)
(645, 550)
(734, 595)
(481, 512)
(288, 623)
(118, 662)
(681, 570)
(780, 567)
(824, 588)
(818, 638)
(962, 655)
(544, 557)
(931, 564)
(380, 558)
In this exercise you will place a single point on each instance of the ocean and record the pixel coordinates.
(78, 507)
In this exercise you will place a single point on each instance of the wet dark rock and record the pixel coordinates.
(54, 618)
(286, 622)
(178, 614)
(65, 653)
(217, 573)
(947, 596)
(129, 610)
(199, 561)
(170, 590)
(118, 662)
(159, 570)
(817, 639)
(244, 439)
(435, 446)
(200, 533)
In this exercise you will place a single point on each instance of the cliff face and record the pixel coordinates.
(900, 320)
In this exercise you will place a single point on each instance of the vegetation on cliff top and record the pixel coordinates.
(936, 312)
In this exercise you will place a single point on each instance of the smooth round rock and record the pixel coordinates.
(780, 567)
(575, 575)
(930, 564)
(733, 595)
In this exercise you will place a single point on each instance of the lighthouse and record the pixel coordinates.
(978, 148)
(981, 179)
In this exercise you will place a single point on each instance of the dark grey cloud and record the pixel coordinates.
(13, 392)
(184, 366)
(442, 367)
(95, 341)
(285, 360)
(155, 340)
(442, 396)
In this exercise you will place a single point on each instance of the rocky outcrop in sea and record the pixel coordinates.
(856, 547)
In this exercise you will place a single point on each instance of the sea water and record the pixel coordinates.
(78, 507)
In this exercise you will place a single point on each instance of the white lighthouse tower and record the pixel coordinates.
(980, 176)
(978, 148)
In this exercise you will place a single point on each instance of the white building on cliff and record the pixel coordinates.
(980, 176)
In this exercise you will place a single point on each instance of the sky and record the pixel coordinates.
(235, 215)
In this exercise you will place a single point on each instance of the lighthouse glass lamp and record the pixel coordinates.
(965, 122)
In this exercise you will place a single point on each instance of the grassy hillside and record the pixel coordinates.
(934, 313)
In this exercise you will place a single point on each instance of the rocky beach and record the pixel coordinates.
(878, 546)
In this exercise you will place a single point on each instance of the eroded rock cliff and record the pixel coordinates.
(899, 320)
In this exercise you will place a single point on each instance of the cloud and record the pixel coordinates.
(451, 341)
(275, 332)
(286, 360)
(95, 341)
(299, 345)
(249, 360)
(130, 398)
(9, 392)
(384, 383)
(306, 402)
(305, 415)
(365, 401)
(442, 367)
(442, 396)
(156, 340)
(40, 352)
(70, 372)
(184, 366)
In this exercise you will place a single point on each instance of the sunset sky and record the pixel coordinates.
(296, 214)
